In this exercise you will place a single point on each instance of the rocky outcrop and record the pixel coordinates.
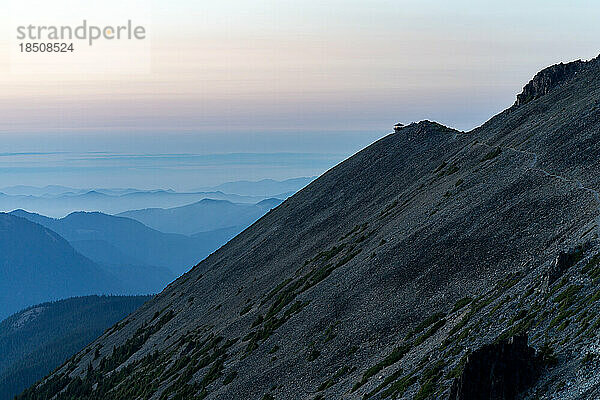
(547, 79)
(427, 128)
(498, 371)
(564, 261)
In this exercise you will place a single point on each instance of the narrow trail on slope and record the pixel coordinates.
(532, 166)
(578, 184)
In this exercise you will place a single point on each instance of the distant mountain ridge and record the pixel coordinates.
(48, 190)
(38, 265)
(203, 216)
(62, 204)
(108, 254)
(59, 201)
(264, 187)
(93, 233)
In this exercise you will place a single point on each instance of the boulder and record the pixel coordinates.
(498, 371)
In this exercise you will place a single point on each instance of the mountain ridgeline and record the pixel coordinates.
(411, 270)
(112, 201)
(39, 265)
(120, 241)
(203, 216)
(84, 253)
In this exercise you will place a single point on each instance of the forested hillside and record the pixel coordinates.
(38, 339)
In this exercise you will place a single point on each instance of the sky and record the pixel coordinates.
(275, 77)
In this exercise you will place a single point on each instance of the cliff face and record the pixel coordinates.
(382, 276)
(547, 79)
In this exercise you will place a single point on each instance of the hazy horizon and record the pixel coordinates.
(179, 162)
(272, 77)
(179, 172)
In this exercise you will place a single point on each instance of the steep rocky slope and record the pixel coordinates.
(388, 275)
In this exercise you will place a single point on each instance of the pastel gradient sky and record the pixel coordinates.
(280, 75)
